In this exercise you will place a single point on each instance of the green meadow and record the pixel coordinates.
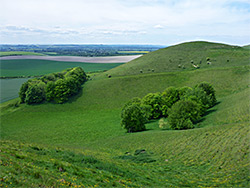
(34, 67)
(81, 143)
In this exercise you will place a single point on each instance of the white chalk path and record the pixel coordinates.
(107, 59)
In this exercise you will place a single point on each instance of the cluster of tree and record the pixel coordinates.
(183, 107)
(57, 87)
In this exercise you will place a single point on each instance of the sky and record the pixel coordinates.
(159, 22)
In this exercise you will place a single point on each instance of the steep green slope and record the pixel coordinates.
(179, 57)
(210, 157)
(95, 113)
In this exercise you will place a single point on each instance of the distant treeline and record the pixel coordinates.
(55, 87)
(11, 77)
(81, 50)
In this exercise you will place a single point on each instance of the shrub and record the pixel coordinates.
(133, 119)
(210, 92)
(163, 124)
(155, 101)
(183, 114)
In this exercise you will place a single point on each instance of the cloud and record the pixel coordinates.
(136, 20)
(158, 26)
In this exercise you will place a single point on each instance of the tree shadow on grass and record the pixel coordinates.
(203, 118)
(75, 97)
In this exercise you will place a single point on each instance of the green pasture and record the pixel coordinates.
(33, 67)
(15, 53)
(81, 143)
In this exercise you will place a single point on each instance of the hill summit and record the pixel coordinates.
(185, 56)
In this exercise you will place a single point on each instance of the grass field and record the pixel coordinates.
(33, 67)
(14, 53)
(10, 88)
(81, 143)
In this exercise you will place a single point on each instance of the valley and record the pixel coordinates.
(81, 143)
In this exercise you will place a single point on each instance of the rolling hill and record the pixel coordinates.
(81, 143)
(179, 57)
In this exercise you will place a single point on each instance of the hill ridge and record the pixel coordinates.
(180, 57)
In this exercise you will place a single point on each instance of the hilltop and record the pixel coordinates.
(179, 58)
(88, 131)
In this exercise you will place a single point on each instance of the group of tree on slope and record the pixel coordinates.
(57, 87)
(182, 107)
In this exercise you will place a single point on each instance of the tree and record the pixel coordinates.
(169, 97)
(133, 119)
(49, 91)
(155, 101)
(210, 92)
(200, 97)
(35, 93)
(183, 114)
(61, 91)
(22, 92)
(146, 109)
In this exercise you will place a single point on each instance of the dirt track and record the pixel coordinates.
(109, 59)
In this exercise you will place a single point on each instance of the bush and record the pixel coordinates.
(133, 119)
(163, 124)
(210, 92)
(183, 114)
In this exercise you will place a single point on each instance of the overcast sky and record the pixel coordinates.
(162, 22)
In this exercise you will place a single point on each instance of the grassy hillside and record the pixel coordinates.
(33, 67)
(179, 57)
(96, 151)
(14, 53)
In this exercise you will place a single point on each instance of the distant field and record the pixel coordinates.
(106, 59)
(32, 67)
(10, 88)
(15, 53)
(133, 52)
